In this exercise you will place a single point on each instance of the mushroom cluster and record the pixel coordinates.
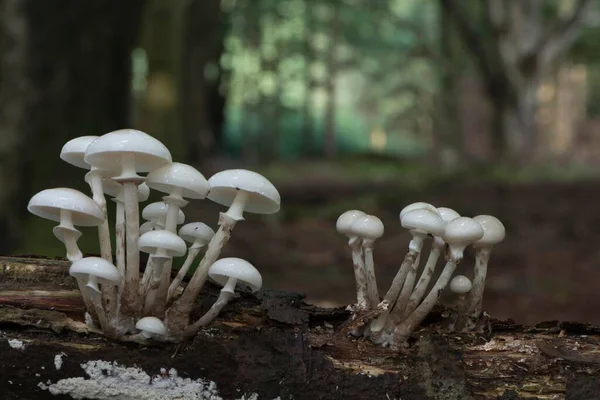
(121, 302)
(390, 321)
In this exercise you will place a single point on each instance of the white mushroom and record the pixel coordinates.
(437, 248)
(459, 233)
(151, 327)
(71, 208)
(494, 233)
(369, 228)
(130, 151)
(73, 152)
(459, 285)
(343, 226)
(243, 191)
(227, 272)
(156, 215)
(199, 235)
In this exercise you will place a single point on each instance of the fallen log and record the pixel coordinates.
(274, 345)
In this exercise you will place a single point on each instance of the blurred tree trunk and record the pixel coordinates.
(202, 104)
(329, 145)
(64, 72)
(309, 83)
(513, 48)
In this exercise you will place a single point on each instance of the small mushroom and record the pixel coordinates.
(494, 233)
(369, 228)
(343, 226)
(459, 233)
(459, 285)
(227, 272)
(243, 191)
(71, 208)
(199, 235)
(156, 215)
(151, 327)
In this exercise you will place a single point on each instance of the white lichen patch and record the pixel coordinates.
(16, 344)
(109, 380)
(58, 360)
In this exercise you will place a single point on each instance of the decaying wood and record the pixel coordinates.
(275, 345)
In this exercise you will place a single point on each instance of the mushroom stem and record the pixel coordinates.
(157, 295)
(421, 287)
(236, 209)
(174, 202)
(96, 300)
(69, 238)
(402, 300)
(359, 273)
(456, 317)
(392, 294)
(103, 229)
(87, 300)
(147, 278)
(224, 298)
(177, 316)
(473, 308)
(371, 281)
(191, 256)
(120, 237)
(130, 302)
(405, 328)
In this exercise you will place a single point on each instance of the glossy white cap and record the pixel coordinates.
(49, 203)
(345, 221)
(367, 227)
(151, 326)
(147, 227)
(417, 206)
(461, 232)
(236, 268)
(108, 150)
(74, 150)
(154, 241)
(423, 221)
(97, 270)
(493, 231)
(447, 214)
(263, 196)
(157, 213)
(168, 177)
(460, 284)
(197, 233)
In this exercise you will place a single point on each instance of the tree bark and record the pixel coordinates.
(273, 344)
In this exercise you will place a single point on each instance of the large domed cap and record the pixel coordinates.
(158, 211)
(447, 214)
(367, 227)
(176, 175)
(151, 242)
(263, 197)
(417, 206)
(462, 230)
(151, 325)
(493, 230)
(424, 221)
(460, 284)
(49, 203)
(345, 221)
(237, 268)
(95, 266)
(107, 151)
(196, 231)
(73, 151)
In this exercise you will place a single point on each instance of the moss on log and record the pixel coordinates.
(274, 345)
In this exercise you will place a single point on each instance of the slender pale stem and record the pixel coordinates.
(70, 240)
(359, 274)
(236, 210)
(174, 202)
(100, 200)
(402, 300)
(371, 281)
(87, 299)
(157, 295)
(120, 237)
(474, 306)
(147, 278)
(130, 301)
(191, 256)
(96, 300)
(421, 288)
(224, 298)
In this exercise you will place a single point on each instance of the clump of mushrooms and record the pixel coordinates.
(122, 304)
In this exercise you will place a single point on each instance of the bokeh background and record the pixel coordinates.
(488, 107)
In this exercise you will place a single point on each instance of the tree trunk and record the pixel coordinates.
(309, 85)
(329, 145)
(276, 345)
(64, 72)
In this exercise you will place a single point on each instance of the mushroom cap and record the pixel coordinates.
(424, 221)
(152, 325)
(493, 230)
(263, 196)
(462, 230)
(447, 214)
(233, 267)
(367, 227)
(74, 150)
(196, 231)
(416, 206)
(460, 284)
(146, 227)
(177, 175)
(107, 151)
(344, 221)
(158, 210)
(151, 242)
(48, 204)
(95, 266)
(114, 189)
